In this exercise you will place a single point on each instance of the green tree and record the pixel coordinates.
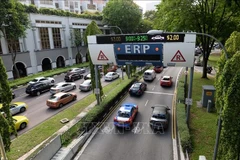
(6, 121)
(144, 26)
(14, 22)
(78, 39)
(229, 145)
(92, 29)
(149, 15)
(202, 16)
(122, 13)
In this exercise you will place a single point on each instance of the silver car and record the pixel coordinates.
(62, 87)
(111, 76)
(16, 107)
(86, 85)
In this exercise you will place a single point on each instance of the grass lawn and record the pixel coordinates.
(35, 136)
(213, 58)
(203, 125)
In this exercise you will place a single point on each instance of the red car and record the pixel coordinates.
(166, 81)
(158, 69)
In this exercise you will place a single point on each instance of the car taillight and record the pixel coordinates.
(115, 119)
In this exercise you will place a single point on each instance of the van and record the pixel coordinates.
(149, 75)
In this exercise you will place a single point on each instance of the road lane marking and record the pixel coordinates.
(136, 129)
(153, 88)
(146, 103)
(170, 94)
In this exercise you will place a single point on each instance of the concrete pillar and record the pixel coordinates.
(50, 38)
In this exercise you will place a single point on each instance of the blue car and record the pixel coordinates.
(126, 115)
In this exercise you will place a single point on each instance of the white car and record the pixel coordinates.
(62, 87)
(46, 80)
(158, 37)
(111, 76)
(86, 85)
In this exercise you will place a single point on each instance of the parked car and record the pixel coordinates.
(72, 77)
(137, 89)
(62, 87)
(77, 70)
(198, 62)
(158, 69)
(38, 88)
(16, 107)
(88, 76)
(112, 68)
(60, 99)
(126, 115)
(20, 122)
(46, 80)
(160, 117)
(86, 85)
(166, 81)
(111, 76)
(149, 75)
(209, 69)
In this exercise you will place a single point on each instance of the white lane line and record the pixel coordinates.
(170, 94)
(146, 103)
(136, 129)
(153, 88)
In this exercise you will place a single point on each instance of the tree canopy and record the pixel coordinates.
(122, 13)
(150, 15)
(202, 16)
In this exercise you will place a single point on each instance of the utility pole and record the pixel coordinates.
(97, 90)
(189, 95)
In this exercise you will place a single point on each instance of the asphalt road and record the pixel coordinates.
(38, 111)
(140, 142)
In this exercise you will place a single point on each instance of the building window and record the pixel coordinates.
(50, 2)
(66, 3)
(56, 38)
(76, 4)
(1, 52)
(13, 45)
(44, 38)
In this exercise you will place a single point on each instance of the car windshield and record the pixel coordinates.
(86, 83)
(124, 114)
(53, 98)
(159, 116)
(34, 80)
(109, 74)
(167, 79)
(136, 86)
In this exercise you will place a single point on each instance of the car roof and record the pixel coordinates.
(149, 70)
(39, 77)
(137, 84)
(166, 76)
(59, 94)
(159, 109)
(61, 83)
(127, 106)
(87, 81)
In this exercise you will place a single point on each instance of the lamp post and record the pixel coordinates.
(106, 26)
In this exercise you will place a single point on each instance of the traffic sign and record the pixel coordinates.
(138, 54)
(178, 54)
(136, 38)
(101, 56)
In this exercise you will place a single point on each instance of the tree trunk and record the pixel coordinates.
(14, 55)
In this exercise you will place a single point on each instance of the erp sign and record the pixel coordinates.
(139, 54)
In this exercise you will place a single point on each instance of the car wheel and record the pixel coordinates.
(74, 87)
(52, 81)
(23, 125)
(60, 105)
(74, 98)
(38, 93)
(23, 109)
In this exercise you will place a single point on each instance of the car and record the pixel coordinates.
(166, 81)
(88, 76)
(20, 122)
(198, 62)
(112, 68)
(16, 107)
(37, 88)
(149, 75)
(209, 69)
(70, 77)
(77, 70)
(158, 69)
(47, 80)
(126, 115)
(137, 89)
(111, 76)
(86, 85)
(159, 117)
(60, 99)
(157, 37)
(62, 87)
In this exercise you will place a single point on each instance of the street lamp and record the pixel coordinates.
(106, 26)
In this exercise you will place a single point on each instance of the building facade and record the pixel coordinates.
(49, 43)
(75, 6)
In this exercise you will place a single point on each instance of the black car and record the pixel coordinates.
(72, 77)
(137, 88)
(38, 88)
(160, 117)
